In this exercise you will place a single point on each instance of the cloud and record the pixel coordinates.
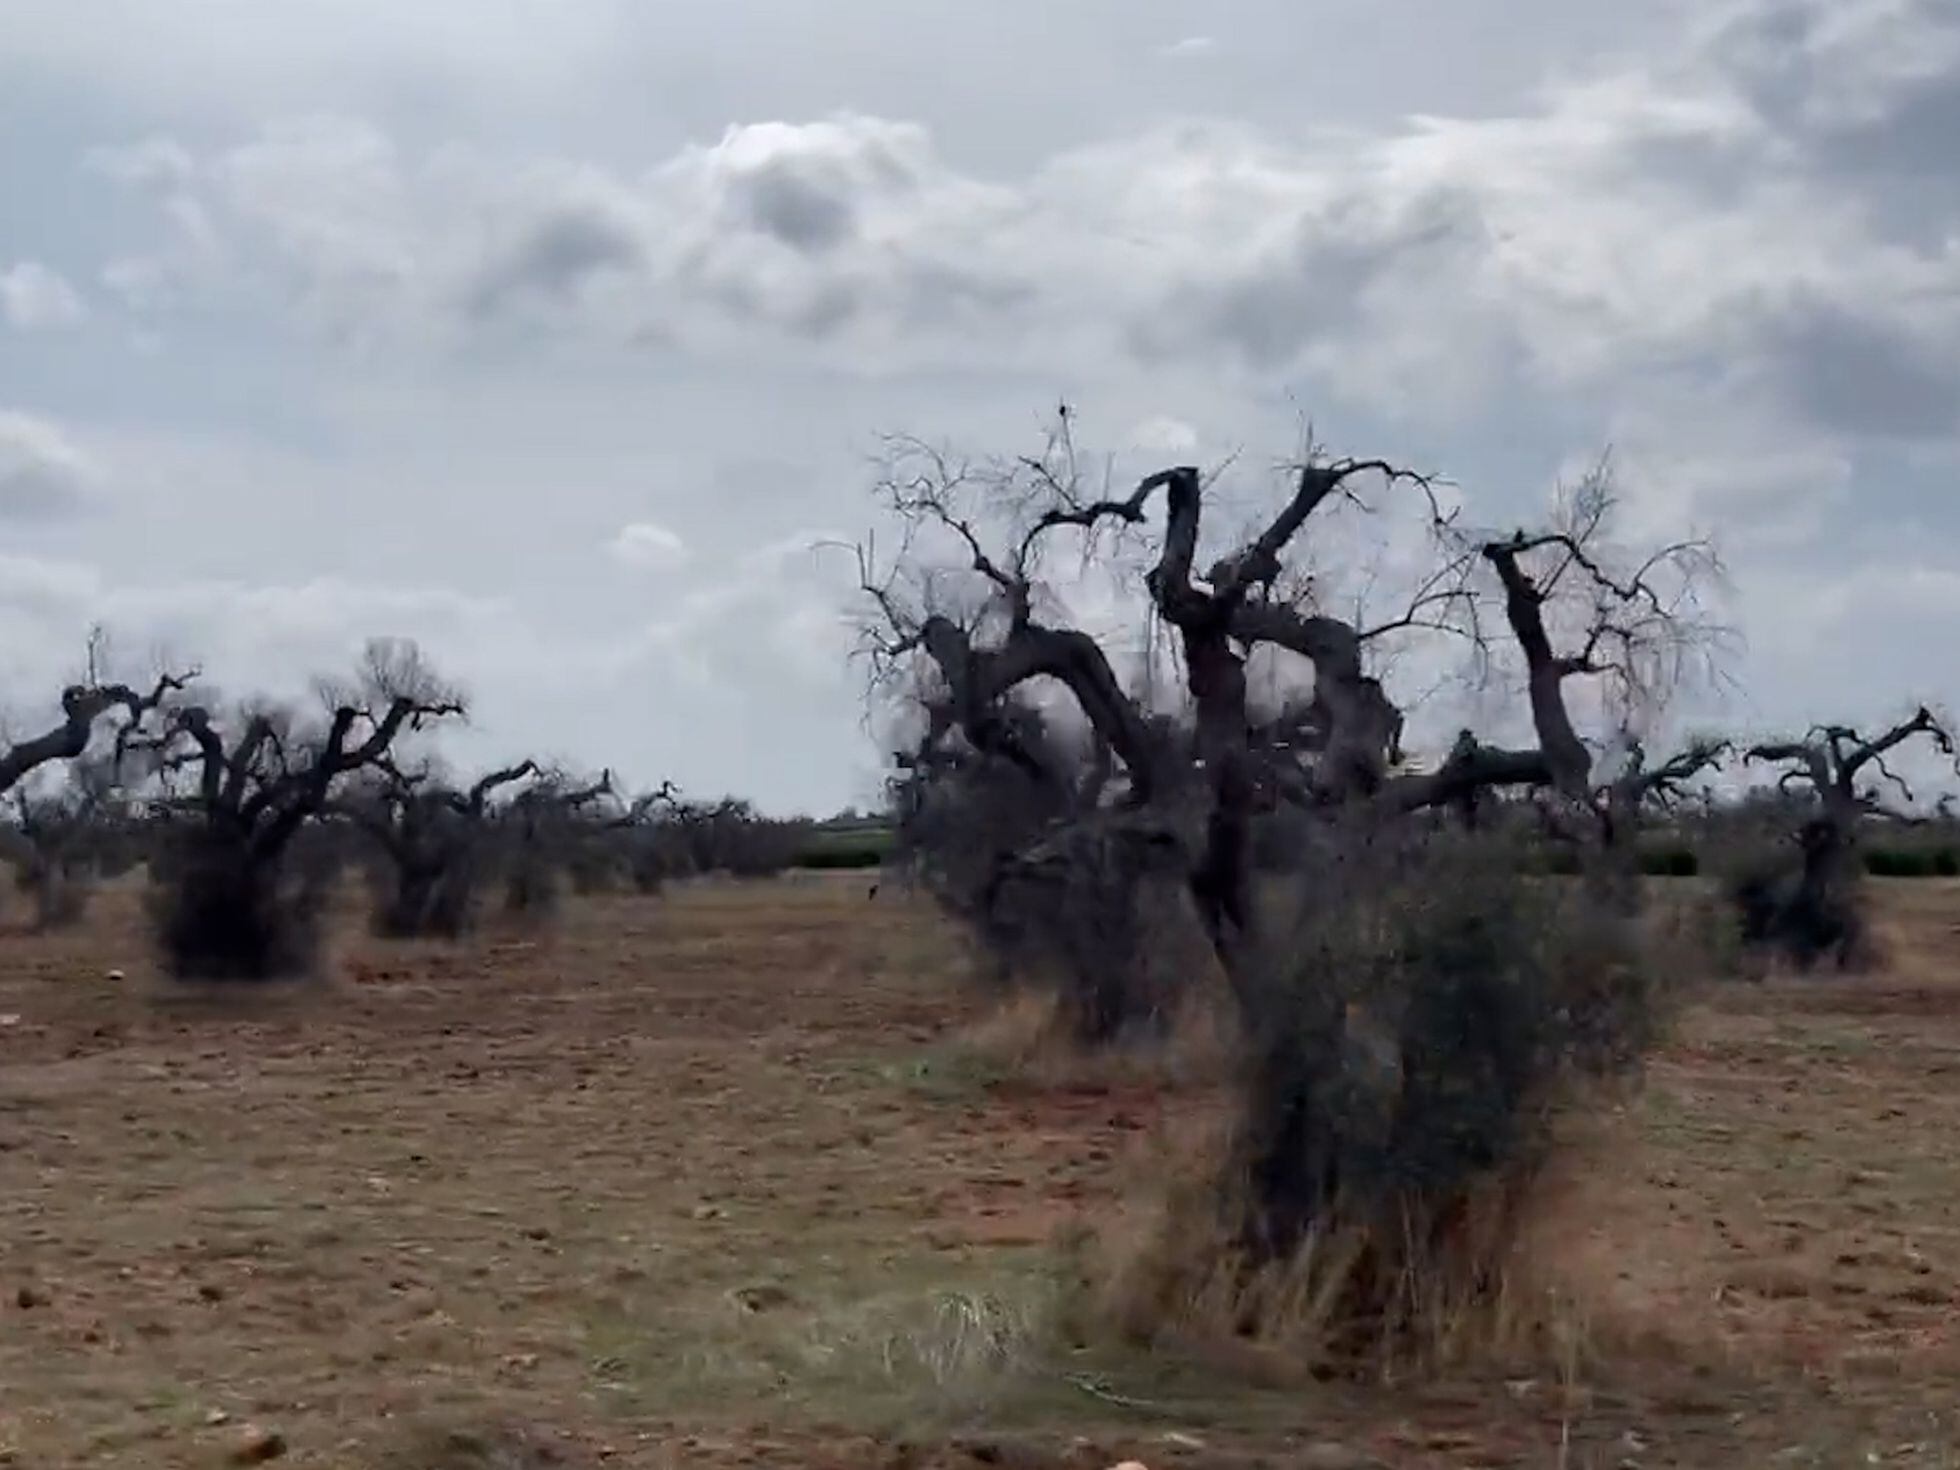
(1868, 84)
(1863, 374)
(1904, 593)
(252, 636)
(1682, 214)
(155, 160)
(1162, 434)
(1189, 48)
(645, 544)
(227, 57)
(766, 626)
(1856, 640)
(33, 296)
(43, 475)
(547, 257)
(843, 226)
(771, 618)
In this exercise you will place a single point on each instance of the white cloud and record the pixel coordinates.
(645, 544)
(33, 296)
(1648, 221)
(1189, 48)
(276, 639)
(263, 633)
(154, 160)
(1162, 434)
(846, 227)
(1841, 611)
(1679, 468)
(43, 474)
(772, 616)
(231, 55)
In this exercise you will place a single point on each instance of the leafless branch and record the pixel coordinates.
(1829, 758)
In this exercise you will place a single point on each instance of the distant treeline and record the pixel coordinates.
(1683, 861)
(854, 847)
(867, 847)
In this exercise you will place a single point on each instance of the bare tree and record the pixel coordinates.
(241, 789)
(1185, 795)
(1640, 788)
(1569, 614)
(83, 706)
(543, 828)
(63, 834)
(645, 836)
(971, 824)
(1579, 610)
(730, 836)
(434, 838)
(1842, 773)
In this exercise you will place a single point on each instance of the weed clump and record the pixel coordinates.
(60, 891)
(222, 912)
(532, 890)
(1415, 1032)
(1801, 903)
(1097, 917)
(437, 900)
(1080, 902)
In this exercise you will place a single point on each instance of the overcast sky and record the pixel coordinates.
(552, 334)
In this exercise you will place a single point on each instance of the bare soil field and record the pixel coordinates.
(711, 1179)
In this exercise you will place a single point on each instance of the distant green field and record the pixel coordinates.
(864, 847)
(1880, 862)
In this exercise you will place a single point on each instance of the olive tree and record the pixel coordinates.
(1164, 795)
(435, 840)
(1838, 775)
(239, 788)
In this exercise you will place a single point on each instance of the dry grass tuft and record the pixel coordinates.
(968, 1345)
(915, 1341)
(1358, 1297)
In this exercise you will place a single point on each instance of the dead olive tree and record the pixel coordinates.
(543, 829)
(83, 708)
(1818, 912)
(973, 823)
(641, 838)
(1207, 774)
(965, 616)
(57, 821)
(614, 838)
(1639, 789)
(435, 841)
(65, 835)
(730, 836)
(240, 790)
